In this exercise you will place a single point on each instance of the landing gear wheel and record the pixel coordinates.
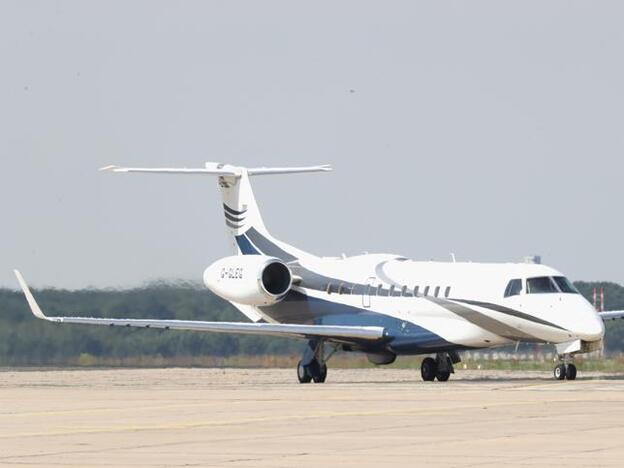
(428, 369)
(443, 376)
(320, 373)
(560, 372)
(303, 373)
(570, 372)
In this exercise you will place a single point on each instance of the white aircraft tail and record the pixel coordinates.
(244, 223)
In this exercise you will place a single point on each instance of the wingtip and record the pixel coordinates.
(19, 276)
(32, 303)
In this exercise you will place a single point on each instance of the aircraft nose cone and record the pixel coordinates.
(593, 328)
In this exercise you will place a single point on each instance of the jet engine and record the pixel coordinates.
(255, 280)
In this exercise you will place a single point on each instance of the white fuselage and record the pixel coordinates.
(463, 303)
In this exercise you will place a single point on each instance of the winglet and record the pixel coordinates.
(34, 307)
(108, 168)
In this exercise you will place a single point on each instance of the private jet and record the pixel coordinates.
(379, 304)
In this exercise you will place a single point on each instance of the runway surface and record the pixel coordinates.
(259, 417)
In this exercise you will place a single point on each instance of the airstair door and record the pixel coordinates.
(369, 291)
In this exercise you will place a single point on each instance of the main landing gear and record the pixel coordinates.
(439, 368)
(313, 364)
(565, 370)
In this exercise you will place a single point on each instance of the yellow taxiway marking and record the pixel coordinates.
(208, 404)
(306, 415)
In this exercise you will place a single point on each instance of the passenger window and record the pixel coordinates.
(437, 291)
(391, 291)
(541, 285)
(340, 288)
(514, 288)
(415, 291)
(405, 292)
(447, 291)
(379, 289)
(426, 292)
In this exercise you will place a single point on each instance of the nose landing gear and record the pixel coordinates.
(565, 370)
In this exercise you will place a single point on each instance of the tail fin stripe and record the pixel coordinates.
(234, 212)
(234, 218)
(232, 225)
(245, 246)
(268, 247)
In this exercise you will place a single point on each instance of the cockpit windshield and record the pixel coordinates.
(541, 285)
(547, 284)
(514, 288)
(565, 285)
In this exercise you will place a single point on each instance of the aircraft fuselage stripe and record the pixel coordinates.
(268, 247)
(508, 311)
(484, 321)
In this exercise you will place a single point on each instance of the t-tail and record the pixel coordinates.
(247, 232)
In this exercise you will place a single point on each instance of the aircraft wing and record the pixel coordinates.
(612, 315)
(337, 332)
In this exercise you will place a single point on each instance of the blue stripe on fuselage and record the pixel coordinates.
(404, 337)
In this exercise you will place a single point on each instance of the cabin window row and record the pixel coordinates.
(379, 290)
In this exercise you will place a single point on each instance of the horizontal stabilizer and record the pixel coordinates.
(340, 333)
(218, 169)
(288, 170)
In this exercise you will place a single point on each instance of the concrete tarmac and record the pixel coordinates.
(259, 417)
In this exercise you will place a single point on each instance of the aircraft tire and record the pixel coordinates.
(443, 376)
(560, 372)
(321, 373)
(428, 369)
(570, 372)
(303, 373)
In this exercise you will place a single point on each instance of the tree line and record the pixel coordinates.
(25, 340)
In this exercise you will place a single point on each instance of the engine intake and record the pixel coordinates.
(276, 278)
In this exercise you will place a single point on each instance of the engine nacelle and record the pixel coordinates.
(255, 280)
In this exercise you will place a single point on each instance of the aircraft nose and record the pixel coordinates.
(593, 327)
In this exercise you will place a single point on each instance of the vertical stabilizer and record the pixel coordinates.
(239, 204)
(246, 230)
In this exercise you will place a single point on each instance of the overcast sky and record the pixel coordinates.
(493, 130)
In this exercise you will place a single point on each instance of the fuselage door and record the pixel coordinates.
(369, 291)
